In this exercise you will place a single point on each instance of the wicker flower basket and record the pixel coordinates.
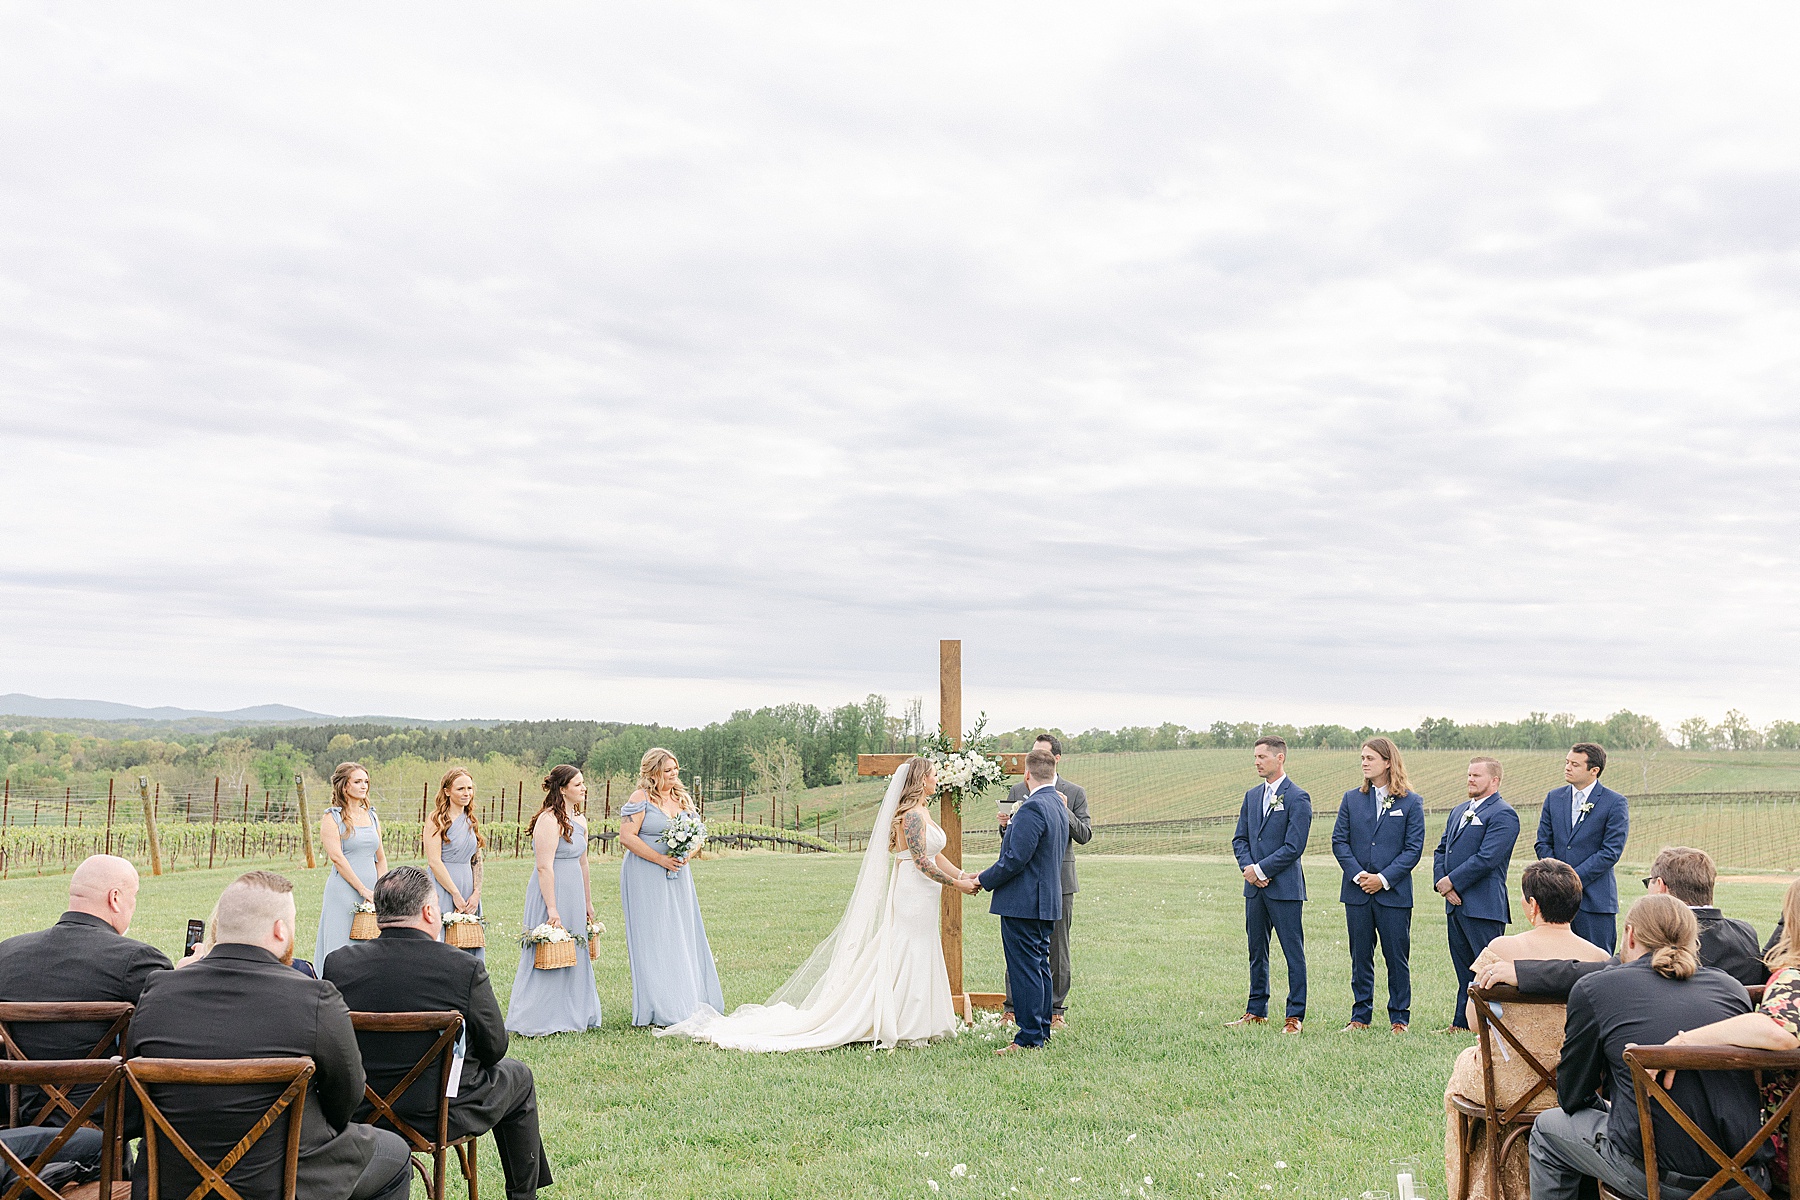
(553, 956)
(465, 935)
(364, 927)
(593, 949)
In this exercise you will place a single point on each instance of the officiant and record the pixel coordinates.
(1081, 830)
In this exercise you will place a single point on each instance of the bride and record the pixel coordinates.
(880, 976)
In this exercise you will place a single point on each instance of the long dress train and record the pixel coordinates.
(879, 978)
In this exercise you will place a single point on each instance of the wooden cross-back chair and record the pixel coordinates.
(296, 1073)
(57, 1100)
(1504, 1125)
(105, 1075)
(1647, 1063)
(448, 1026)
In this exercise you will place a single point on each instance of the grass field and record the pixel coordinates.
(1145, 1084)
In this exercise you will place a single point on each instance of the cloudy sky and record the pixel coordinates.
(1309, 362)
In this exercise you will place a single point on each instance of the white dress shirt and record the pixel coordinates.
(1270, 787)
(1577, 800)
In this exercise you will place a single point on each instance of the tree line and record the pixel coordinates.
(781, 747)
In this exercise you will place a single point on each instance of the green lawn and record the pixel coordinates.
(1146, 1083)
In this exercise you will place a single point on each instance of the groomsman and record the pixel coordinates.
(1585, 824)
(1469, 867)
(1271, 835)
(1378, 840)
(1081, 831)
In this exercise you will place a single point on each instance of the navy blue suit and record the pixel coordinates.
(1474, 855)
(1028, 897)
(1592, 846)
(1274, 843)
(1388, 844)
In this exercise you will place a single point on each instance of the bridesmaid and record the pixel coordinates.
(561, 1000)
(351, 833)
(453, 846)
(672, 971)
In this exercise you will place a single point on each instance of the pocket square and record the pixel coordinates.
(1396, 813)
(1474, 820)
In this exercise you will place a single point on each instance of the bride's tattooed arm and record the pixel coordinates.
(915, 826)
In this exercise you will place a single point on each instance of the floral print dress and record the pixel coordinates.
(1781, 1000)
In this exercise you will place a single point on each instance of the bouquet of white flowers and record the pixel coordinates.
(463, 930)
(967, 772)
(546, 933)
(554, 947)
(685, 836)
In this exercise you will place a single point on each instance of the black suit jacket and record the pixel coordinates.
(1609, 1010)
(241, 1002)
(1725, 942)
(79, 959)
(1081, 828)
(406, 970)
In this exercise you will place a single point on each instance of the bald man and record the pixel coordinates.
(85, 956)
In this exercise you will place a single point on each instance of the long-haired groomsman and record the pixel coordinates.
(1585, 824)
(1378, 840)
(1271, 835)
(1469, 868)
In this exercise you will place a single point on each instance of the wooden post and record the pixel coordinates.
(6, 806)
(150, 824)
(950, 915)
(519, 817)
(305, 820)
(109, 815)
(215, 799)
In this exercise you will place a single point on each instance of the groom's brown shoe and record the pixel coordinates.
(1355, 1026)
(1058, 1023)
(1291, 1025)
(1246, 1019)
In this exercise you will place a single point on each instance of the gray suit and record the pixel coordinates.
(1081, 830)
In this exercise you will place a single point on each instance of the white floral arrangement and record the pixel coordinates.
(684, 837)
(461, 918)
(595, 929)
(367, 906)
(546, 933)
(965, 773)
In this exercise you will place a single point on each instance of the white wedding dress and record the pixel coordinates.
(878, 978)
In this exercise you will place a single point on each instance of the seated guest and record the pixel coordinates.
(242, 1000)
(1660, 989)
(1687, 874)
(77, 1162)
(1775, 1025)
(1725, 942)
(407, 969)
(1552, 892)
(84, 957)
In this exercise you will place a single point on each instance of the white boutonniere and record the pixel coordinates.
(1280, 805)
(1387, 802)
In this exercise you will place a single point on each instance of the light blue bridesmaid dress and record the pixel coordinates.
(339, 905)
(672, 971)
(459, 847)
(560, 1000)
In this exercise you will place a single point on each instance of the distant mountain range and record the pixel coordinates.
(105, 718)
(20, 705)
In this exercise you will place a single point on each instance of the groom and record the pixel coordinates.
(1027, 887)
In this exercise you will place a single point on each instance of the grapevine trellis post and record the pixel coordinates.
(150, 825)
(950, 914)
(305, 821)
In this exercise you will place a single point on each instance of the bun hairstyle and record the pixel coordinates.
(441, 815)
(1667, 930)
(560, 777)
(340, 782)
(913, 794)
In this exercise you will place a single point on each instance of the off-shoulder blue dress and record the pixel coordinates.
(672, 969)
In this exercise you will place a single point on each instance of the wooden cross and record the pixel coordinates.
(950, 923)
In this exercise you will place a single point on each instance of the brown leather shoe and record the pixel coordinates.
(1058, 1023)
(1355, 1027)
(1291, 1025)
(1455, 1029)
(1013, 1048)
(1246, 1019)
(1397, 1027)
(1008, 1018)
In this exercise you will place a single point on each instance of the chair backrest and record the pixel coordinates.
(1647, 1063)
(57, 1100)
(1491, 1030)
(441, 1053)
(101, 1077)
(296, 1073)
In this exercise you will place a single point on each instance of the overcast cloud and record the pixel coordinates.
(1347, 362)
